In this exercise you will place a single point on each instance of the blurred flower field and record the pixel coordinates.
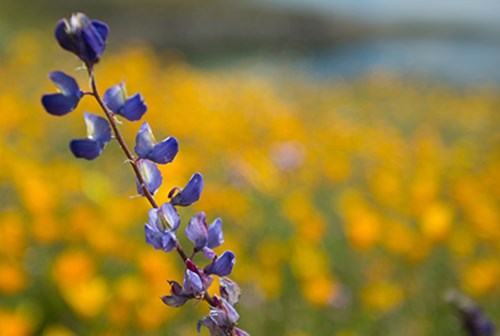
(352, 207)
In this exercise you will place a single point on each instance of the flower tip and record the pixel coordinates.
(82, 36)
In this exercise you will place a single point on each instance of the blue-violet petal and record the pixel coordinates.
(85, 148)
(191, 192)
(134, 108)
(196, 231)
(98, 128)
(144, 141)
(151, 175)
(223, 265)
(215, 234)
(58, 104)
(165, 151)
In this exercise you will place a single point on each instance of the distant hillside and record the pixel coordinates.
(193, 26)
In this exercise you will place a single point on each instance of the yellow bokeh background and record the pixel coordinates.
(359, 204)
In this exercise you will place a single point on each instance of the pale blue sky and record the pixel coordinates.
(467, 11)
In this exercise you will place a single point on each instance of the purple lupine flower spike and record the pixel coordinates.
(82, 36)
(191, 192)
(98, 135)
(67, 99)
(86, 38)
(146, 146)
(131, 108)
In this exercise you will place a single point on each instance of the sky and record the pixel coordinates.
(480, 12)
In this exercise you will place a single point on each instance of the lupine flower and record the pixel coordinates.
(221, 320)
(475, 322)
(473, 319)
(161, 227)
(191, 192)
(98, 135)
(151, 175)
(146, 146)
(194, 285)
(84, 37)
(205, 238)
(117, 100)
(229, 290)
(205, 278)
(67, 99)
(221, 266)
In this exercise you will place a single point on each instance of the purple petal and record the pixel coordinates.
(98, 128)
(215, 235)
(196, 231)
(85, 148)
(231, 313)
(165, 218)
(175, 288)
(207, 280)
(94, 41)
(224, 316)
(153, 237)
(160, 240)
(84, 37)
(210, 324)
(209, 253)
(151, 175)
(101, 28)
(169, 241)
(115, 97)
(134, 108)
(174, 301)
(144, 141)
(58, 104)
(223, 265)
(191, 193)
(165, 151)
(66, 84)
(62, 35)
(192, 283)
(229, 290)
(64, 102)
(240, 332)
